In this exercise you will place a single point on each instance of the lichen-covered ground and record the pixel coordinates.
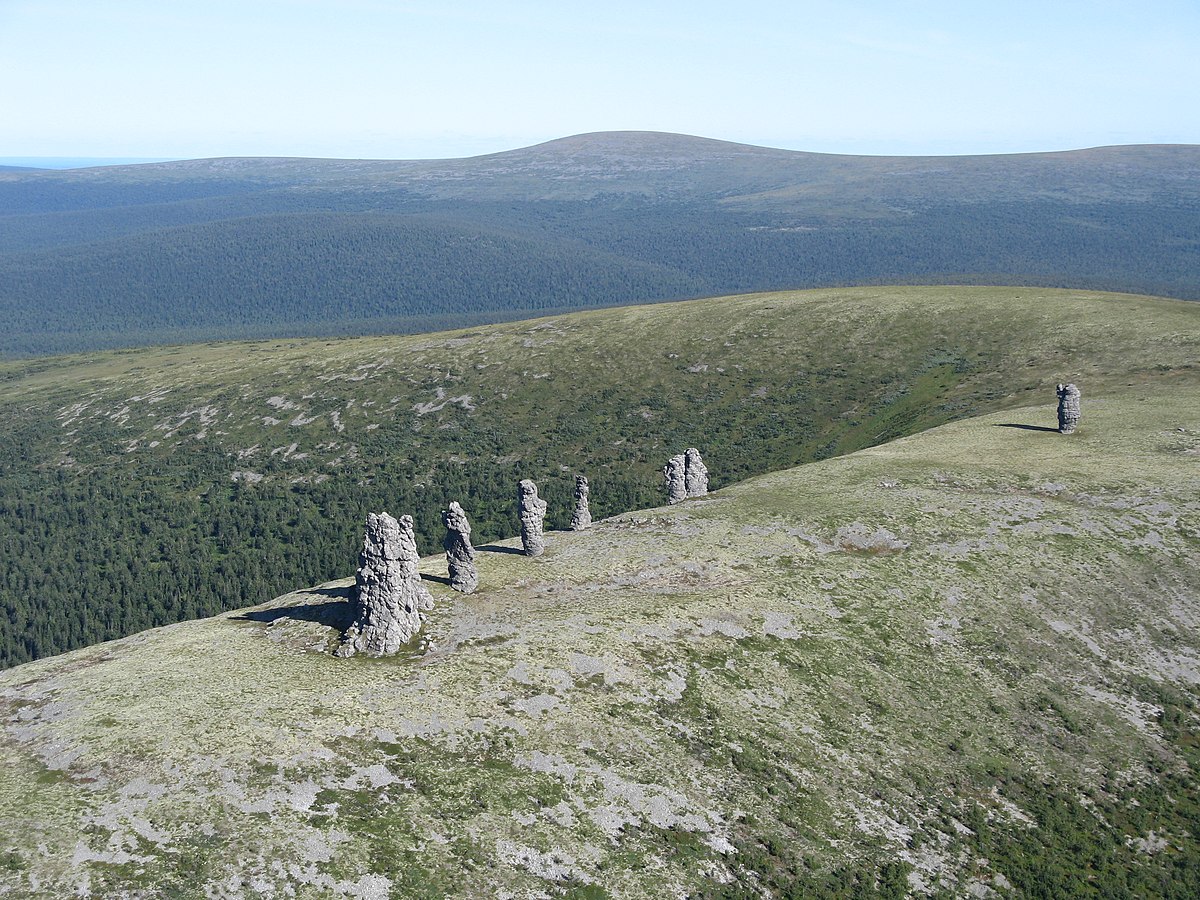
(878, 673)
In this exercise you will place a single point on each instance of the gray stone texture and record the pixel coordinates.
(582, 516)
(390, 596)
(460, 555)
(532, 510)
(695, 474)
(675, 474)
(1068, 408)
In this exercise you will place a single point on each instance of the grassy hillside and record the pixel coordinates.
(251, 248)
(145, 487)
(960, 663)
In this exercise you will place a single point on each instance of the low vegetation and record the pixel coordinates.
(715, 699)
(146, 487)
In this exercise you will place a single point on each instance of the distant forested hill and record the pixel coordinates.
(230, 248)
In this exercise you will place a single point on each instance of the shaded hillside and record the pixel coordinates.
(144, 487)
(964, 663)
(122, 255)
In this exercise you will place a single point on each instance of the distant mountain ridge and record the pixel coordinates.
(159, 252)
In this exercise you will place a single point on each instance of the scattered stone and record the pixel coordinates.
(532, 510)
(391, 596)
(863, 538)
(1068, 408)
(583, 515)
(695, 473)
(675, 473)
(460, 555)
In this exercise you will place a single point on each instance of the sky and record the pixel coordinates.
(380, 79)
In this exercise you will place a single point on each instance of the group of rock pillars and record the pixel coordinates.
(392, 600)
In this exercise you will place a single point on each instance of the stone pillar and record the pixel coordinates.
(675, 474)
(583, 515)
(1068, 408)
(460, 555)
(532, 510)
(390, 594)
(695, 474)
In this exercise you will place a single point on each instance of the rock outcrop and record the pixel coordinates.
(460, 555)
(532, 510)
(582, 516)
(675, 474)
(695, 473)
(1068, 408)
(391, 596)
(686, 476)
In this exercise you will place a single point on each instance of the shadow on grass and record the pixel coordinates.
(335, 613)
(496, 548)
(439, 579)
(1026, 427)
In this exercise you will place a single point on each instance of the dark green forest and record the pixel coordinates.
(360, 273)
(248, 249)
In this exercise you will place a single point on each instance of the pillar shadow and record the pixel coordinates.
(439, 579)
(1025, 427)
(333, 613)
(496, 548)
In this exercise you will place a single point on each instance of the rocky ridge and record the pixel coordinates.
(860, 662)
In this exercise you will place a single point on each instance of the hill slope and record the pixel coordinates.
(962, 661)
(144, 487)
(229, 248)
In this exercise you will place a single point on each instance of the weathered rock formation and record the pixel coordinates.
(695, 474)
(532, 510)
(1068, 408)
(686, 476)
(675, 473)
(460, 555)
(390, 593)
(582, 517)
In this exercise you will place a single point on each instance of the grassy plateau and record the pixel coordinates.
(964, 661)
(915, 642)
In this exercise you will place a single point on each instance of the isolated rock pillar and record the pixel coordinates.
(460, 555)
(532, 510)
(390, 594)
(582, 517)
(695, 474)
(1068, 408)
(675, 474)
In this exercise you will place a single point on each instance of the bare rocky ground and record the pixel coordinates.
(829, 654)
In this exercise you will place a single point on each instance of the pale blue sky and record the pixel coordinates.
(373, 78)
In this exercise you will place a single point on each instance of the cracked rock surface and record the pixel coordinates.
(532, 510)
(1068, 408)
(582, 516)
(460, 555)
(695, 475)
(675, 474)
(390, 596)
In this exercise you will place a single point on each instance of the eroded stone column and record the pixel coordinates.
(532, 510)
(695, 474)
(1068, 408)
(582, 517)
(460, 555)
(390, 595)
(675, 474)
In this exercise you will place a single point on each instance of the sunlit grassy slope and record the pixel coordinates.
(144, 487)
(963, 661)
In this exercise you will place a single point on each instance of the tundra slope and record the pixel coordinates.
(962, 662)
(189, 480)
